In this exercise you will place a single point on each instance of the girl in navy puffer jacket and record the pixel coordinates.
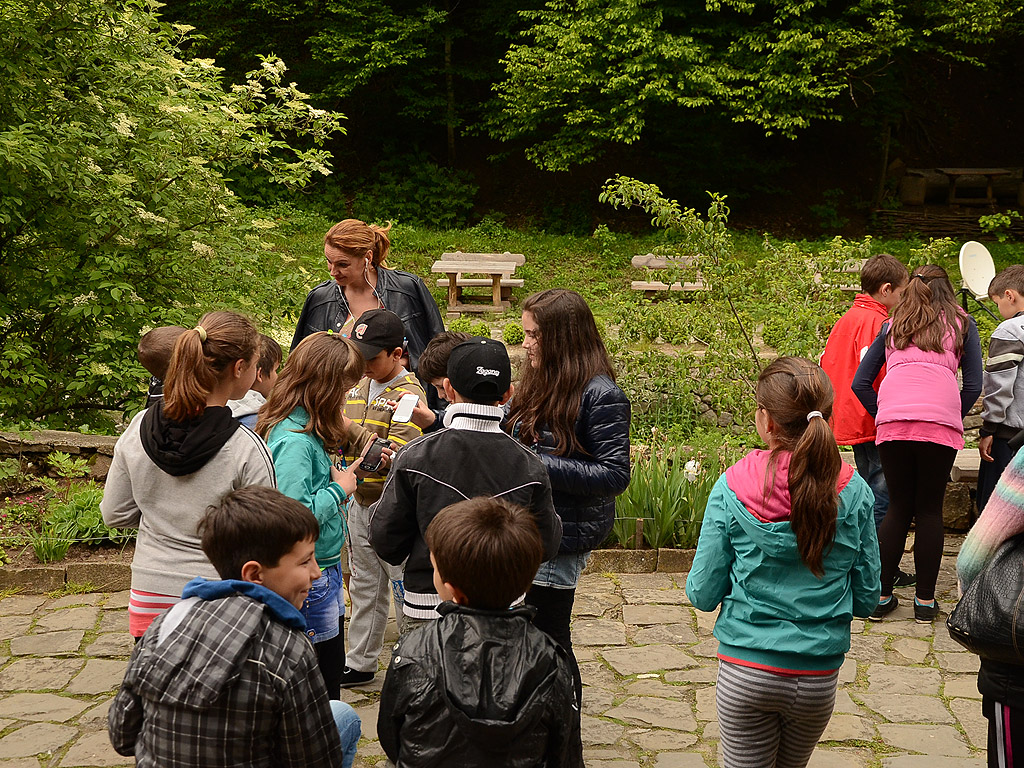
(569, 410)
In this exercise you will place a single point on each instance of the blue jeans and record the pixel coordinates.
(869, 466)
(349, 728)
(324, 606)
(990, 471)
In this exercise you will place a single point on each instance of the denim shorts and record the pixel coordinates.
(563, 571)
(325, 605)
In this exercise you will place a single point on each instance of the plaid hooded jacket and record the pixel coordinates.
(230, 685)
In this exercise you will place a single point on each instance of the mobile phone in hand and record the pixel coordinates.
(374, 458)
(403, 412)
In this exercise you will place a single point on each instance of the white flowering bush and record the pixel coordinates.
(114, 210)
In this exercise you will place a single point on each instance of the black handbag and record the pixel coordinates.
(989, 619)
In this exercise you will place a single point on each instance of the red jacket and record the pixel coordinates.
(845, 347)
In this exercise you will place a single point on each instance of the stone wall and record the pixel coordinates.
(32, 448)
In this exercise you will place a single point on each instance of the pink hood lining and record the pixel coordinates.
(748, 477)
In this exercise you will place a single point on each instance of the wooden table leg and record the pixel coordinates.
(952, 190)
(496, 290)
(989, 197)
(453, 291)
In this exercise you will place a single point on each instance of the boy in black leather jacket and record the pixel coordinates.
(481, 686)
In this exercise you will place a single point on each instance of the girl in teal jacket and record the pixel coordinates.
(303, 424)
(788, 549)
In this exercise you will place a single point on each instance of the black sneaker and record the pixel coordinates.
(350, 678)
(925, 614)
(884, 609)
(904, 579)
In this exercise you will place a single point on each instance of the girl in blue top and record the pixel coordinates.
(788, 549)
(303, 425)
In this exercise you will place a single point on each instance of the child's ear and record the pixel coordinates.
(252, 571)
(458, 596)
(508, 395)
(449, 390)
(259, 376)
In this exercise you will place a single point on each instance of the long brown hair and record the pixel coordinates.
(356, 237)
(789, 389)
(571, 354)
(197, 365)
(317, 376)
(927, 312)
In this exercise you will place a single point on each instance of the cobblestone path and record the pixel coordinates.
(907, 697)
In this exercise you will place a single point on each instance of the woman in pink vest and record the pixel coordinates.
(919, 412)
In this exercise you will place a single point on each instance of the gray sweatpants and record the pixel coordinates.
(771, 720)
(371, 585)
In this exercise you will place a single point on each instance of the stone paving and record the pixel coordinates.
(907, 696)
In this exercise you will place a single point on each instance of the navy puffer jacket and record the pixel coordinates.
(584, 485)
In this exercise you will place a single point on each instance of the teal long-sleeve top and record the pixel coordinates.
(304, 473)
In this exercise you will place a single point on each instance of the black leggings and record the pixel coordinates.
(916, 473)
(330, 657)
(554, 609)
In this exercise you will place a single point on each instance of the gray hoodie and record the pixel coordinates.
(167, 508)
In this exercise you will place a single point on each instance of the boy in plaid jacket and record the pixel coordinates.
(227, 676)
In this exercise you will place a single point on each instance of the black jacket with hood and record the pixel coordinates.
(479, 688)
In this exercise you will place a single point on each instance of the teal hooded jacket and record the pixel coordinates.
(776, 614)
(304, 473)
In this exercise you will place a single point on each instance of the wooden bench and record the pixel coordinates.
(498, 276)
(507, 283)
(650, 262)
(851, 267)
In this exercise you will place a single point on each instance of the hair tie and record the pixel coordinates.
(812, 414)
(202, 333)
(922, 278)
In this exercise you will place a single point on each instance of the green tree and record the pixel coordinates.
(114, 209)
(588, 73)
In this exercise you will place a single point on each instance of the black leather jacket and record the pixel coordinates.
(401, 292)
(584, 485)
(479, 688)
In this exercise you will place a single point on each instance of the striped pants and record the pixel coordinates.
(771, 720)
(1005, 731)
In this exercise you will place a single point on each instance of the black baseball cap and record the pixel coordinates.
(376, 331)
(479, 370)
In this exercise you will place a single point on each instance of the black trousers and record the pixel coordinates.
(554, 609)
(330, 657)
(916, 473)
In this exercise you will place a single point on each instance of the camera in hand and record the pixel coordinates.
(374, 458)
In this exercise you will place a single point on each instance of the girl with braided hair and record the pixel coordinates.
(788, 550)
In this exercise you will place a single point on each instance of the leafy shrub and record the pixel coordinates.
(512, 334)
(412, 188)
(669, 492)
(480, 328)
(461, 324)
(78, 518)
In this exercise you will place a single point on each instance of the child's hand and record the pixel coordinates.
(346, 478)
(386, 454)
(422, 416)
(985, 448)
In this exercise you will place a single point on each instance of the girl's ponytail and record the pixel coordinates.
(798, 397)
(201, 357)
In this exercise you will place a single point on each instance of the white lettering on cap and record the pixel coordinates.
(481, 371)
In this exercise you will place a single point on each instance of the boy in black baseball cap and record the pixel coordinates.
(471, 457)
(378, 333)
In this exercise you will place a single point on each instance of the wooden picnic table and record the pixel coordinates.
(495, 270)
(954, 174)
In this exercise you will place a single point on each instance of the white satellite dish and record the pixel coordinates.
(976, 268)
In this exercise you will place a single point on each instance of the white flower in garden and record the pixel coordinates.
(691, 470)
(124, 125)
(202, 249)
